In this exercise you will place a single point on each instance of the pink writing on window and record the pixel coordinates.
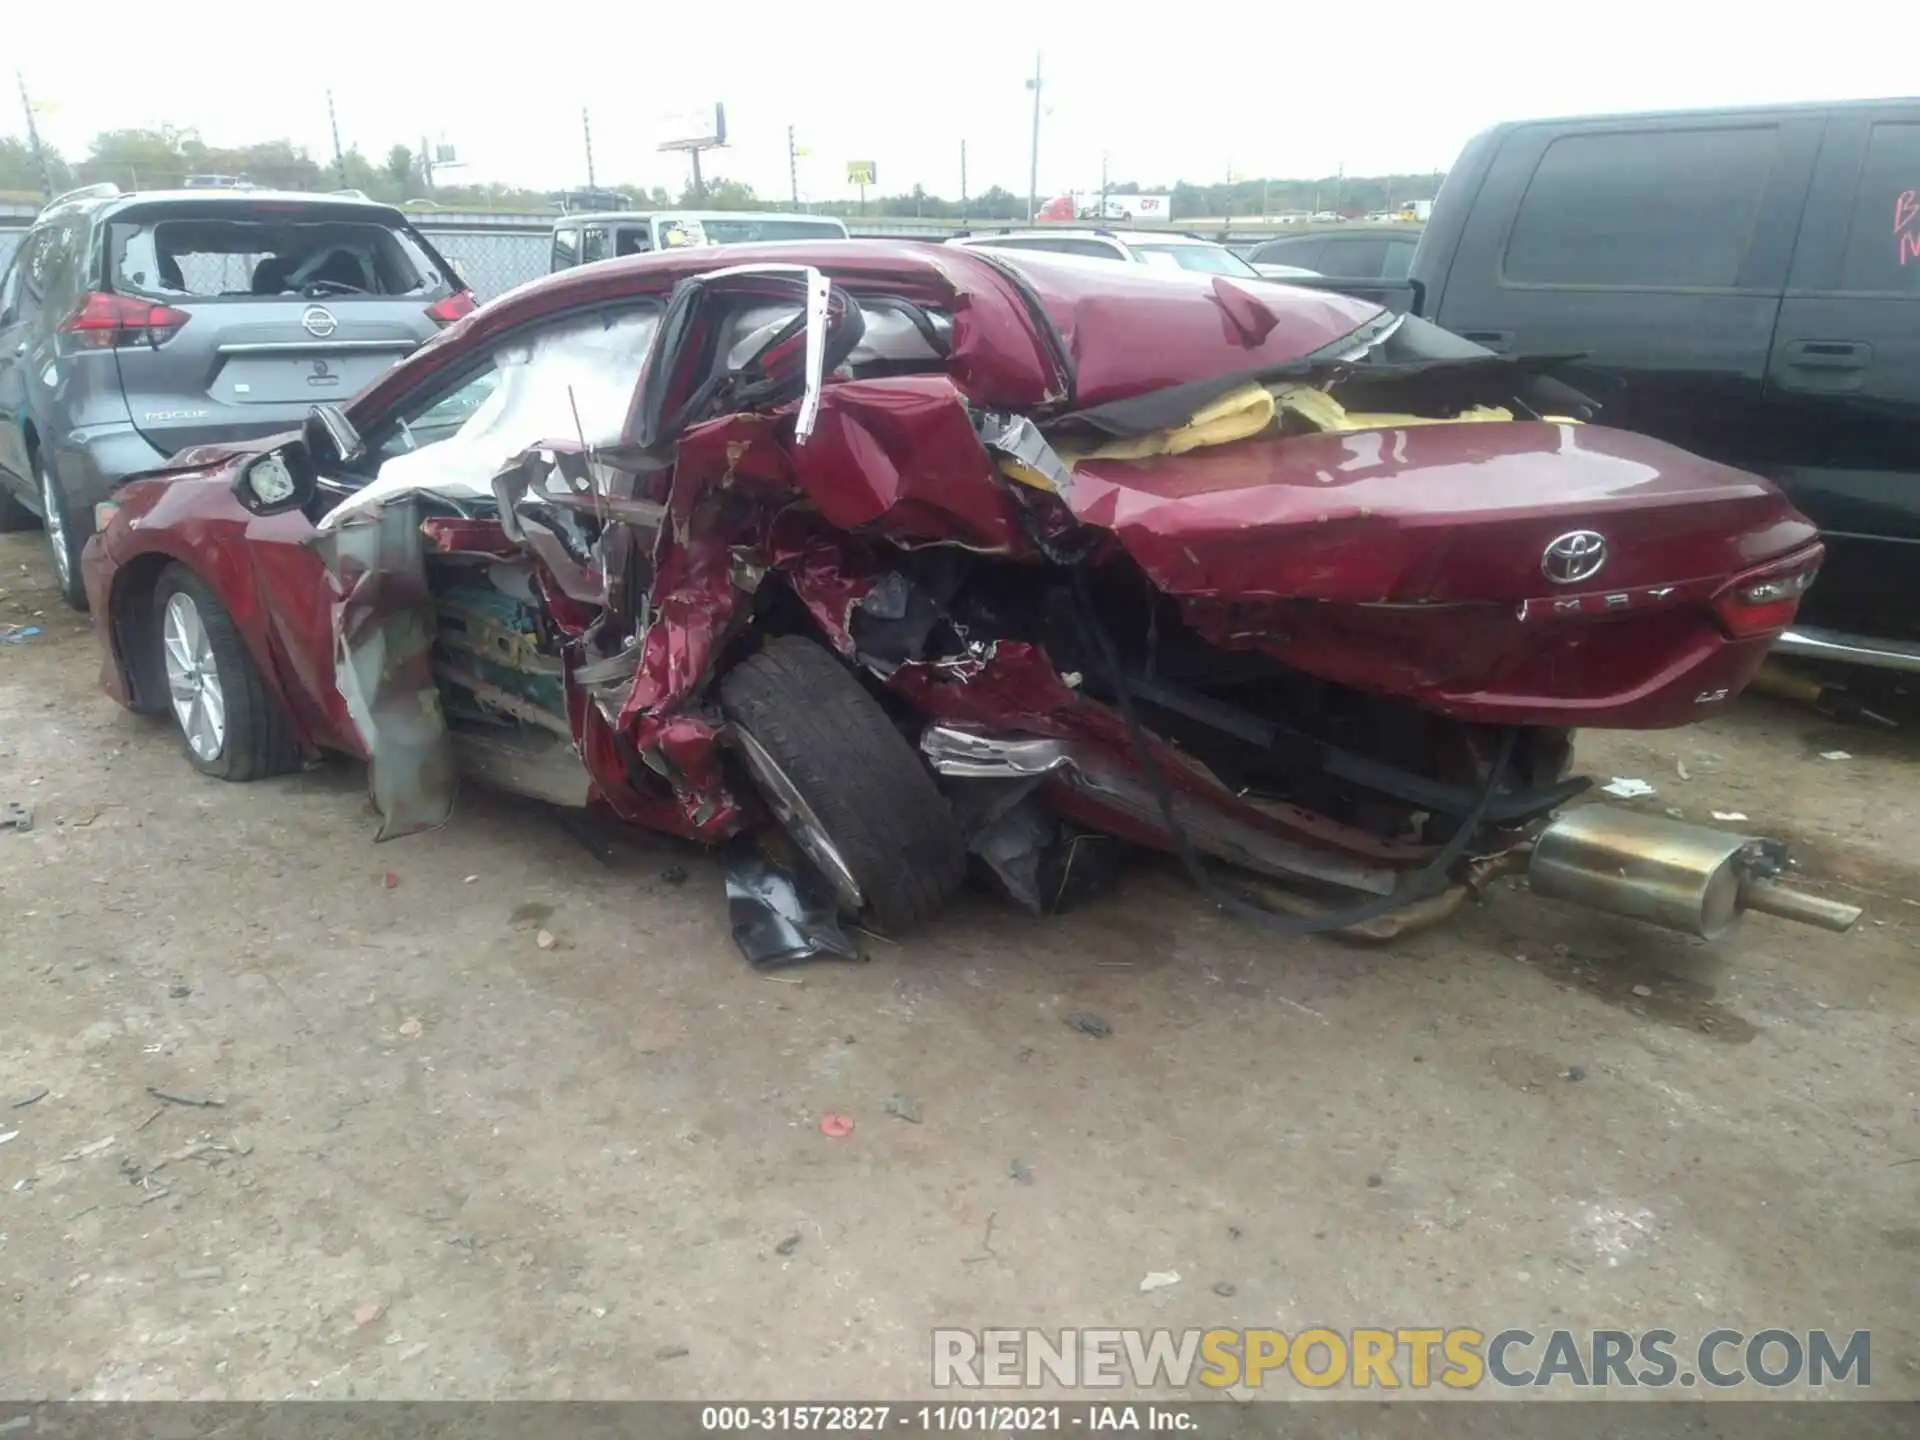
(1906, 210)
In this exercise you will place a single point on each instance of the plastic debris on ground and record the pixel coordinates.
(780, 917)
(1087, 1023)
(14, 816)
(1160, 1279)
(1623, 787)
(835, 1127)
(1728, 815)
(14, 634)
(1835, 755)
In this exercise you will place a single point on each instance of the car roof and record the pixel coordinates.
(1088, 232)
(1410, 229)
(1793, 107)
(104, 199)
(607, 217)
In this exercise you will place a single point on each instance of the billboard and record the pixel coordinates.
(699, 128)
(862, 172)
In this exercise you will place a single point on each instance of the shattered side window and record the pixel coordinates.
(436, 419)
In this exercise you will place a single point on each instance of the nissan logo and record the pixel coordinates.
(319, 323)
(1575, 556)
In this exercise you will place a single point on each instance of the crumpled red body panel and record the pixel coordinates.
(1015, 688)
(900, 456)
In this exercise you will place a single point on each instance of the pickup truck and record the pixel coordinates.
(1743, 283)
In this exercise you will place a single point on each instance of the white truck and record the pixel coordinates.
(1088, 206)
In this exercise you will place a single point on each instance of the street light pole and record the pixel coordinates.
(1033, 152)
(339, 160)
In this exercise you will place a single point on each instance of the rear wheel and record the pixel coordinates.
(843, 782)
(233, 727)
(66, 532)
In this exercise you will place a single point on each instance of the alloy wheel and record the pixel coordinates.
(790, 807)
(193, 678)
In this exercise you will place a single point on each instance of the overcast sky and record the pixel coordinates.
(1166, 90)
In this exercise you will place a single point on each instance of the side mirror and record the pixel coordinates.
(330, 436)
(277, 480)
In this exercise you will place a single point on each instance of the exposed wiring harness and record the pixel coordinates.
(1429, 880)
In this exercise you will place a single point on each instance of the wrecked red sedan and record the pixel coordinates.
(923, 552)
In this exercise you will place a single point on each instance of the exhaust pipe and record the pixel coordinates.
(1683, 877)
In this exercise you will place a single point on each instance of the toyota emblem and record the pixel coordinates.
(319, 323)
(1575, 556)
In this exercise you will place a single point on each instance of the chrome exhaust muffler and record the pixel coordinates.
(1668, 873)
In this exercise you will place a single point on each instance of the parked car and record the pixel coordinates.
(1742, 282)
(1353, 252)
(583, 239)
(852, 537)
(1141, 247)
(133, 325)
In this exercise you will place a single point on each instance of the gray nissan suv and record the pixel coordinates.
(136, 325)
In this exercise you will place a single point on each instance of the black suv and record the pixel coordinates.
(132, 326)
(1743, 283)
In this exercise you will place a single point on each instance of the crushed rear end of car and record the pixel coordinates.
(1305, 594)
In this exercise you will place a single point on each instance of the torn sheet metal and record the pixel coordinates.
(1105, 788)
(384, 624)
(780, 915)
(1043, 864)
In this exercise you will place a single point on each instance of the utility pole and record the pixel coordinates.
(339, 160)
(699, 186)
(1103, 187)
(793, 169)
(33, 140)
(586, 134)
(1033, 152)
(426, 164)
(1339, 186)
(963, 181)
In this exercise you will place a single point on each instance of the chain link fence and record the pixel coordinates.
(491, 259)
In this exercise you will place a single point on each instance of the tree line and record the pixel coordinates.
(164, 158)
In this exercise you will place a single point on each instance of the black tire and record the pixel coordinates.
(68, 536)
(872, 795)
(258, 740)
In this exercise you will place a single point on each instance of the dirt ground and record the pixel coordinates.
(447, 1162)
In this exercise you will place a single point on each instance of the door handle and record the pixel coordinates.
(1828, 355)
(1500, 341)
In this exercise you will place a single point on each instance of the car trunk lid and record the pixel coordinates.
(234, 371)
(1441, 514)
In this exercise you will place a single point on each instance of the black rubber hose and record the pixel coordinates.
(1424, 881)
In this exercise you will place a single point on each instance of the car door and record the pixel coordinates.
(1844, 375)
(19, 308)
(1654, 246)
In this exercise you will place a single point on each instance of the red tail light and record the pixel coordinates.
(102, 321)
(1763, 601)
(445, 312)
